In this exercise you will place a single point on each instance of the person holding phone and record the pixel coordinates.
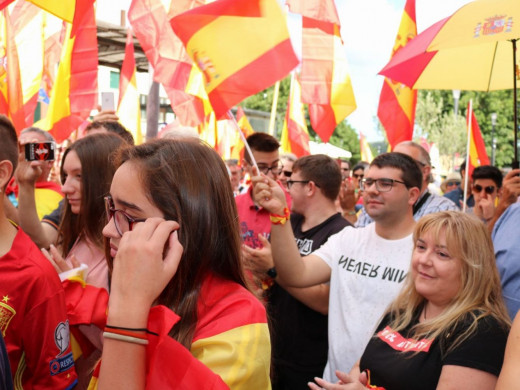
(179, 312)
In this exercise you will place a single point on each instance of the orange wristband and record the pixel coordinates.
(280, 219)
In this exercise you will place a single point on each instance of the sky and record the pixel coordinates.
(368, 29)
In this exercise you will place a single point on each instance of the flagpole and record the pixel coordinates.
(242, 136)
(273, 108)
(469, 115)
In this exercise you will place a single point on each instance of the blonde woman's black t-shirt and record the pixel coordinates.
(398, 362)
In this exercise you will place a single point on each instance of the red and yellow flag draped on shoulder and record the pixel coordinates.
(218, 37)
(397, 102)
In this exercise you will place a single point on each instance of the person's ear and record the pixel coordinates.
(413, 194)
(6, 171)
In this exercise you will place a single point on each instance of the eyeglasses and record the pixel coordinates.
(360, 176)
(287, 173)
(477, 188)
(452, 183)
(276, 170)
(291, 182)
(382, 185)
(122, 221)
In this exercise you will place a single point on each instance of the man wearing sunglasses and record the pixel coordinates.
(365, 266)
(486, 189)
(427, 202)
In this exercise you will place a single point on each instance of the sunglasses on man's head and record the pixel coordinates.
(477, 188)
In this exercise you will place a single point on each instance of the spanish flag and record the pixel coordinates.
(323, 10)
(11, 96)
(241, 47)
(397, 102)
(74, 93)
(295, 137)
(325, 78)
(366, 152)
(129, 108)
(477, 149)
(237, 148)
(71, 11)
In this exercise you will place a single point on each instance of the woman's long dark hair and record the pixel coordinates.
(189, 183)
(95, 152)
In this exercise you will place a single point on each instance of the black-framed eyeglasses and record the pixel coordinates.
(358, 176)
(122, 221)
(382, 185)
(477, 188)
(291, 182)
(287, 173)
(276, 170)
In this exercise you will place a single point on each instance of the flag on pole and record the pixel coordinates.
(237, 148)
(295, 137)
(325, 78)
(74, 93)
(477, 149)
(11, 96)
(129, 107)
(366, 152)
(323, 10)
(165, 52)
(232, 66)
(397, 102)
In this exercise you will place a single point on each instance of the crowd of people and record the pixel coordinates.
(162, 266)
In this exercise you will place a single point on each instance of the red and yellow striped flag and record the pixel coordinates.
(74, 94)
(295, 137)
(241, 47)
(397, 102)
(366, 152)
(323, 10)
(73, 11)
(11, 96)
(477, 148)
(237, 148)
(129, 107)
(325, 78)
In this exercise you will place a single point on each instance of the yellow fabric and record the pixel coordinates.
(236, 50)
(469, 57)
(46, 201)
(236, 354)
(129, 110)
(63, 9)
(296, 114)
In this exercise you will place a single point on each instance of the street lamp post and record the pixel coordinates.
(493, 139)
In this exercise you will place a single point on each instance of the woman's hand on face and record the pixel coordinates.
(147, 258)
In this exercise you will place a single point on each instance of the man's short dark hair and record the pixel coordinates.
(488, 172)
(112, 127)
(323, 171)
(344, 160)
(48, 136)
(411, 173)
(9, 143)
(261, 142)
(360, 165)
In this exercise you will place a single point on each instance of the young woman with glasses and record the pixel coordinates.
(179, 312)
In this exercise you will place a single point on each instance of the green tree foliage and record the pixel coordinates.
(435, 120)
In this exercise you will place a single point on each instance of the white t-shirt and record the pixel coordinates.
(367, 273)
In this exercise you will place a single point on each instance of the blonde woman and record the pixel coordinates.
(448, 327)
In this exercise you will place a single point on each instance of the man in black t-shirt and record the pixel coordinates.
(299, 315)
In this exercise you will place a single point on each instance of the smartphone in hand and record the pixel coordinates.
(40, 151)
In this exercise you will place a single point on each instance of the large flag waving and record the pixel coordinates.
(128, 107)
(323, 10)
(477, 149)
(241, 47)
(72, 11)
(295, 137)
(397, 102)
(74, 93)
(366, 152)
(326, 84)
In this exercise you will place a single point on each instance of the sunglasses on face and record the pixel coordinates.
(477, 188)
(287, 173)
(358, 176)
(452, 183)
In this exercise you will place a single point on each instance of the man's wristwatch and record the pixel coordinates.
(271, 272)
